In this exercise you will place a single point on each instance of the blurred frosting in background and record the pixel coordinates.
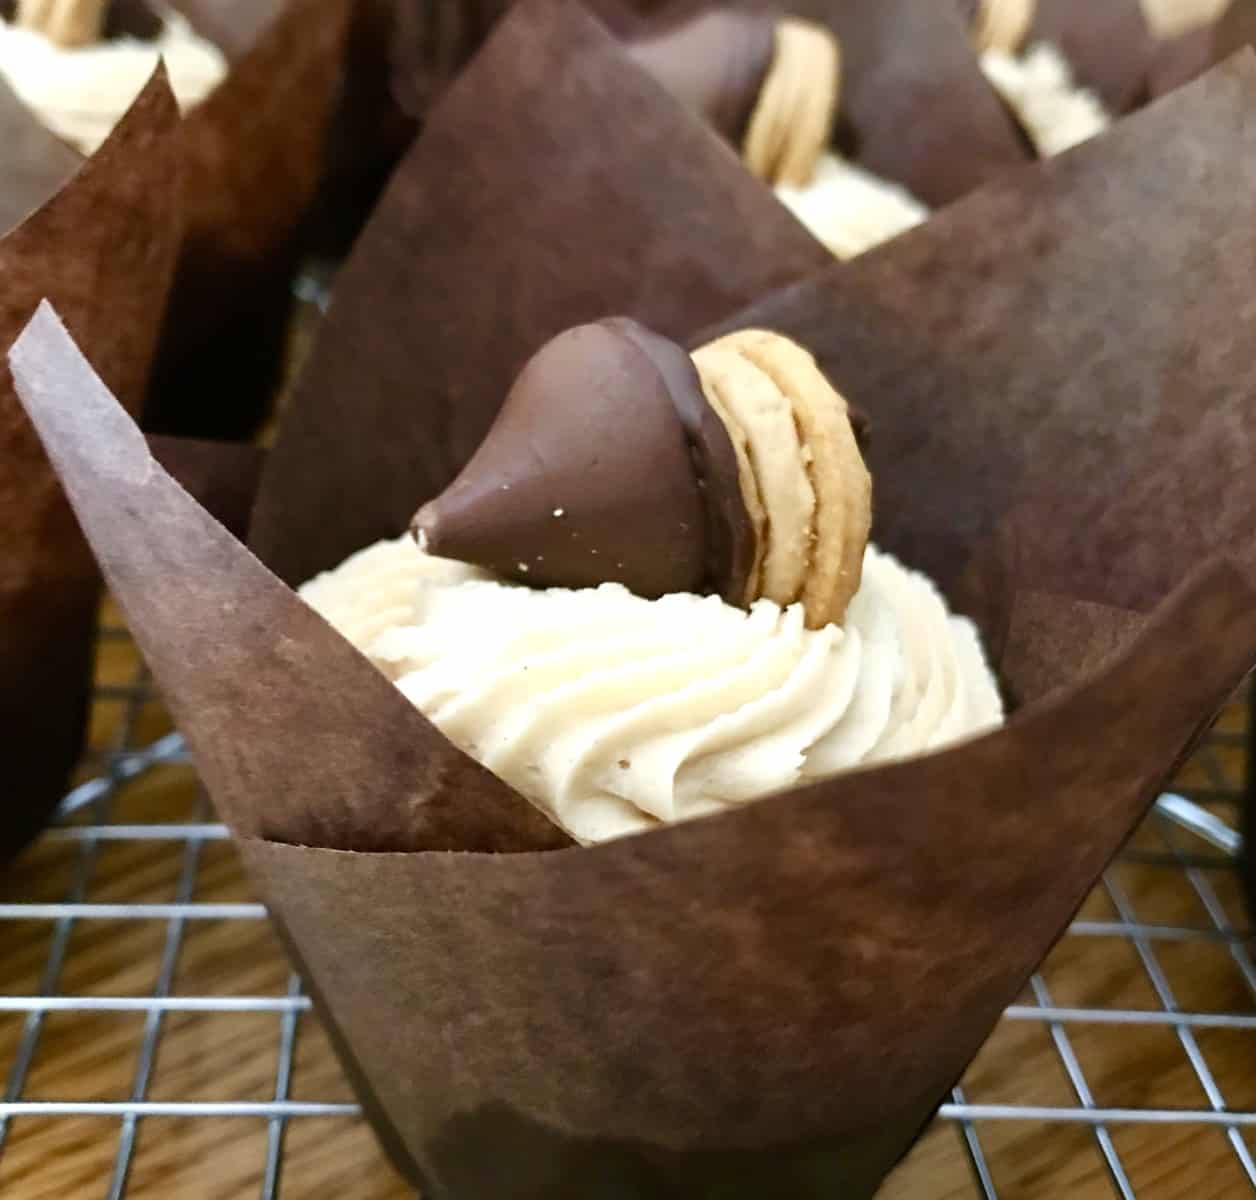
(81, 92)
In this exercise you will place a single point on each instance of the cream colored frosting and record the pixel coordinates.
(1039, 87)
(851, 210)
(81, 93)
(615, 713)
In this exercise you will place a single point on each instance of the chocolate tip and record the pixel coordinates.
(423, 526)
(587, 474)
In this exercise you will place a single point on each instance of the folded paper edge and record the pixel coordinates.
(143, 526)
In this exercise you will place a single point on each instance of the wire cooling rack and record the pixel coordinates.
(154, 1043)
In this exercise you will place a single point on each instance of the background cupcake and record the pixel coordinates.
(257, 87)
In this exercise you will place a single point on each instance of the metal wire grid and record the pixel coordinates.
(87, 823)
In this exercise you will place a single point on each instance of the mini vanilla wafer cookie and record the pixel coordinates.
(748, 484)
(757, 412)
(793, 119)
(831, 459)
(1002, 24)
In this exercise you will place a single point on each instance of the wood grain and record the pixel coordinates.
(216, 1056)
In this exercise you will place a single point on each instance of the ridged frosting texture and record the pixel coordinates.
(615, 714)
(851, 210)
(81, 93)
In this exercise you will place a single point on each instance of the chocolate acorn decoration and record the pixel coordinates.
(617, 457)
(893, 85)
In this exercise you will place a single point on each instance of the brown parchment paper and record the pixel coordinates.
(35, 163)
(434, 39)
(770, 1001)
(1109, 46)
(103, 248)
(222, 476)
(370, 129)
(1248, 860)
(1247, 819)
(254, 153)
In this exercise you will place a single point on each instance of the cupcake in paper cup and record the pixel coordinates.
(866, 118)
(256, 85)
(772, 994)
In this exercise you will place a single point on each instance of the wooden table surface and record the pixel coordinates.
(224, 1056)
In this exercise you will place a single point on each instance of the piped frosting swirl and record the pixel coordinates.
(614, 713)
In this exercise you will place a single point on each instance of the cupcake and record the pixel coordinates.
(256, 89)
(714, 626)
(773, 997)
(818, 109)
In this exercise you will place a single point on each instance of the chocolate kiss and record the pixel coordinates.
(605, 464)
(714, 64)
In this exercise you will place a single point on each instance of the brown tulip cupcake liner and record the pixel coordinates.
(254, 154)
(170, 252)
(101, 241)
(774, 999)
(1247, 860)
